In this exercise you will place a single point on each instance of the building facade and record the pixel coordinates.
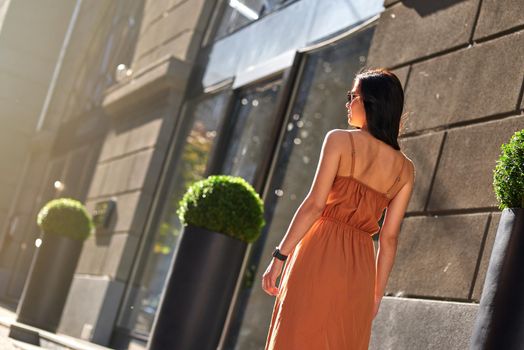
(27, 68)
(153, 95)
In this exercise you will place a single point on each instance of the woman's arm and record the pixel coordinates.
(389, 234)
(304, 217)
(315, 201)
(311, 208)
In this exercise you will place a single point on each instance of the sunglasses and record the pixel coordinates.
(351, 96)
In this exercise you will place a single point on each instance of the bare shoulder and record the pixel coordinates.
(410, 169)
(344, 133)
(338, 137)
(339, 133)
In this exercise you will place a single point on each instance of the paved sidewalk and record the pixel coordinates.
(48, 340)
(5, 342)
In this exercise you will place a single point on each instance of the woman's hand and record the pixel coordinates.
(376, 306)
(269, 278)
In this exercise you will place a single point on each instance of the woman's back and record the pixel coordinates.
(376, 164)
(370, 174)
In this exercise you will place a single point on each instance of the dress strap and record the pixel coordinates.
(398, 177)
(352, 153)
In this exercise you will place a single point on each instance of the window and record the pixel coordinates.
(252, 134)
(238, 13)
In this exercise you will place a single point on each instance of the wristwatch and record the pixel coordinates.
(278, 255)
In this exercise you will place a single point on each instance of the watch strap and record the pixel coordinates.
(278, 255)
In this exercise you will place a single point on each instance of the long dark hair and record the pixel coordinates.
(383, 99)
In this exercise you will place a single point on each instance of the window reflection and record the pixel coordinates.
(255, 120)
(197, 138)
(239, 13)
(318, 108)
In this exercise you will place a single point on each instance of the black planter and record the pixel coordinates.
(48, 283)
(198, 292)
(500, 319)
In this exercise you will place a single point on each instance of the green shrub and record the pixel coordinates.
(66, 217)
(225, 204)
(508, 175)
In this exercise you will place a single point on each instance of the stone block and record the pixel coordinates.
(486, 255)
(464, 177)
(184, 46)
(148, 42)
(498, 15)
(98, 180)
(122, 253)
(142, 162)
(414, 29)
(141, 62)
(467, 84)
(118, 174)
(145, 135)
(414, 324)
(91, 308)
(402, 75)
(423, 151)
(131, 212)
(153, 11)
(182, 18)
(437, 256)
(115, 144)
(145, 171)
(93, 255)
(170, 30)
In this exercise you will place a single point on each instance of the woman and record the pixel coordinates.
(331, 287)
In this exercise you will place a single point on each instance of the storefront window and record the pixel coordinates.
(319, 106)
(252, 134)
(196, 141)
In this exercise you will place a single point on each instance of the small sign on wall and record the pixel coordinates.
(103, 213)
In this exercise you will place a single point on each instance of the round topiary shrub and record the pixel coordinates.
(226, 204)
(66, 217)
(508, 175)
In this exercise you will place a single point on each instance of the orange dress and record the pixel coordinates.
(326, 291)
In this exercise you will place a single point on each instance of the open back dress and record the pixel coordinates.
(326, 291)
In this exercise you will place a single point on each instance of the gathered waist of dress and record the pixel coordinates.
(331, 218)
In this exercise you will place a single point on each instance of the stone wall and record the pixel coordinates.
(461, 66)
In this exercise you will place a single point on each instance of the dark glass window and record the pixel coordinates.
(250, 142)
